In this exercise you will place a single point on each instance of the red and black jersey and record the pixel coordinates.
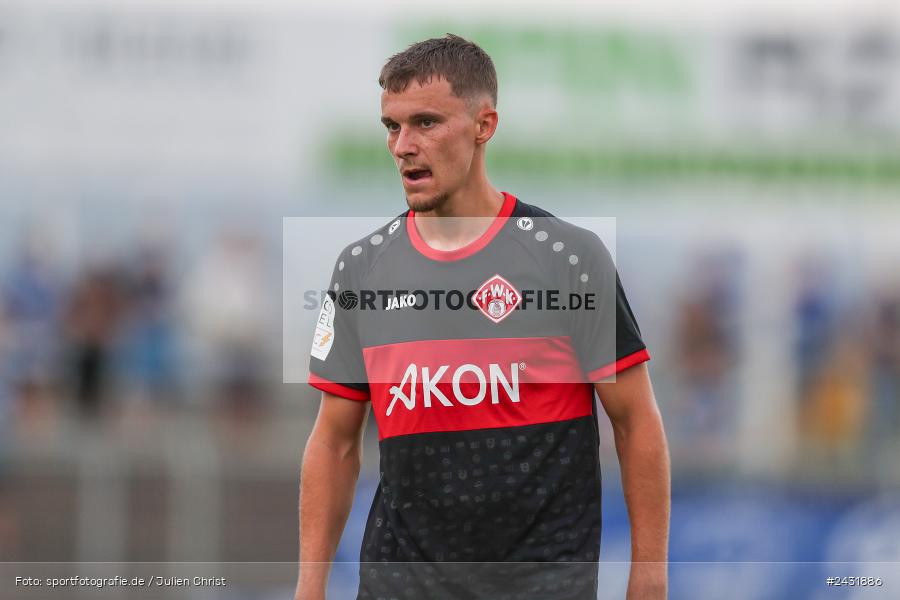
(479, 365)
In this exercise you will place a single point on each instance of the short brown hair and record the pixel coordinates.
(468, 68)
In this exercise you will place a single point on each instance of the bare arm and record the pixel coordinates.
(644, 459)
(328, 478)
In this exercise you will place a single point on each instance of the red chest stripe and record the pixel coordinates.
(455, 385)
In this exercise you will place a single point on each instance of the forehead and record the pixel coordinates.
(435, 95)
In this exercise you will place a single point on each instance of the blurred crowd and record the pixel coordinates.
(841, 343)
(847, 357)
(132, 333)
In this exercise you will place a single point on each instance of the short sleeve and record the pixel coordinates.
(604, 330)
(336, 362)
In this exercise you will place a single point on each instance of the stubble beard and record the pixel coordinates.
(429, 204)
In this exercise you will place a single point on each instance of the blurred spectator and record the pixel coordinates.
(148, 344)
(229, 311)
(884, 346)
(31, 297)
(834, 409)
(831, 368)
(93, 317)
(814, 313)
(706, 345)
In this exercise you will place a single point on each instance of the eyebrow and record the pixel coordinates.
(416, 117)
(426, 115)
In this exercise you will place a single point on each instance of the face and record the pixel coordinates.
(432, 136)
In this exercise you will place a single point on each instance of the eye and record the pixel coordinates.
(427, 123)
(393, 127)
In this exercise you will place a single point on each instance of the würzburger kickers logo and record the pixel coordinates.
(497, 298)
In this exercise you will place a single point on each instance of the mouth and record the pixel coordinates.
(416, 176)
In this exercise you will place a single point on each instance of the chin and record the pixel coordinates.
(425, 203)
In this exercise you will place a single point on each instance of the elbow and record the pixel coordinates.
(644, 424)
(339, 447)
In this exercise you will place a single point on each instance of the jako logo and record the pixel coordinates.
(496, 376)
(400, 302)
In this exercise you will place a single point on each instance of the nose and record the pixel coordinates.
(404, 144)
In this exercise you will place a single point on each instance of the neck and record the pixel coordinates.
(463, 218)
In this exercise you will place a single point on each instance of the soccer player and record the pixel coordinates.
(451, 322)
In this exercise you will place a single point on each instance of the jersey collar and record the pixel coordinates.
(509, 203)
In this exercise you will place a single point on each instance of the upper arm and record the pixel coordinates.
(629, 396)
(336, 363)
(340, 422)
(603, 329)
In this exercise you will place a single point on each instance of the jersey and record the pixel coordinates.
(479, 365)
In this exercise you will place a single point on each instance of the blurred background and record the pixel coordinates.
(149, 152)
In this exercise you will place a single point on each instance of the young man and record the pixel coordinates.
(482, 386)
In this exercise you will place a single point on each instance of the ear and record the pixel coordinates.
(486, 120)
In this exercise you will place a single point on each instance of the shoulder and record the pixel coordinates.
(558, 235)
(359, 256)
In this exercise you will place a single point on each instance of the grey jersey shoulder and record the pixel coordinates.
(550, 238)
(360, 256)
